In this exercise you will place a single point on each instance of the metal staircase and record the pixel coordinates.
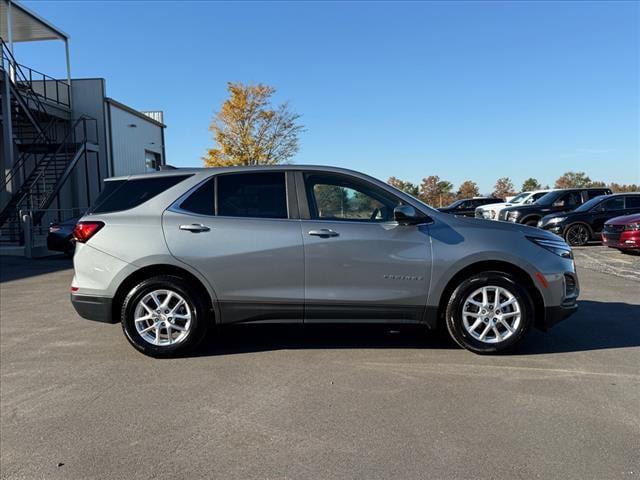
(48, 147)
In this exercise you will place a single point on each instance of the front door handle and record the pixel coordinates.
(195, 228)
(324, 233)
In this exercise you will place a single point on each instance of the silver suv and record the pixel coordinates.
(169, 254)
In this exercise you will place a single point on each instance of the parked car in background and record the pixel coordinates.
(60, 237)
(557, 201)
(492, 211)
(172, 253)
(586, 222)
(623, 233)
(467, 206)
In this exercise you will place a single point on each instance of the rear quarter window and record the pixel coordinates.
(119, 195)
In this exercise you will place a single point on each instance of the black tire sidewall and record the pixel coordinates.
(196, 305)
(456, 304)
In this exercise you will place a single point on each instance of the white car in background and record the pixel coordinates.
(491, 211)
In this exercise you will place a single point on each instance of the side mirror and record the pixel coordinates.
(407, 215)
(558, 203)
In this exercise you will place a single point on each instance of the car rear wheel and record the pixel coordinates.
(577, 235)
(489, 312)
(163, 317)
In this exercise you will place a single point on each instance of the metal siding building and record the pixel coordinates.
(136, 140)
(59, 137)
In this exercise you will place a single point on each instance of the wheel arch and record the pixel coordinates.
(528, 218)
(160, 269)
(493, 266)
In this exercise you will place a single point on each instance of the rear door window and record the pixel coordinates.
(127, 194)
(254, 195)
(633, 202)
(202, 200)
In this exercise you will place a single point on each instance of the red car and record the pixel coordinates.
(623, 233)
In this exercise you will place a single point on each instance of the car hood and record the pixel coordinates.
(471, 222)
(548, 217)
(624, 219)
(491, 206)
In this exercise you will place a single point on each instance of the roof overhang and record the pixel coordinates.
(26, 25)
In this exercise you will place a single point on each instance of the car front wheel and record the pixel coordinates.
(577, 235)
(489, 312)
(163, 317)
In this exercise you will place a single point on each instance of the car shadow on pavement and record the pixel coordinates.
(234, 339)
(596, 326)
(16, 268)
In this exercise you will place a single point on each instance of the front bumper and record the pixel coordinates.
(622, 240)
(98, 309)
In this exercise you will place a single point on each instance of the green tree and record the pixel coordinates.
(573, 180)
(332, 200)
(248, 130)
(531, 184)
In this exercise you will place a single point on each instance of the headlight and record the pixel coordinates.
(559, 247)
(632, 226)
(513, 216)
(556, 219)
(492, 214)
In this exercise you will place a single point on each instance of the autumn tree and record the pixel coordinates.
(617, 187)
(573, 180)
(436, 192)
(503, 188)
(468, 189)
(407, 187)
(531, 184)
(249, 130)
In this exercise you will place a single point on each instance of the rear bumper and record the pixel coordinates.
(98, 309)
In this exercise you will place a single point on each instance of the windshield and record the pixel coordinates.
(520, 197)
(549, 198)
(534, 198)
(455, 204)
(588, 205)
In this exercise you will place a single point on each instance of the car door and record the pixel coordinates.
(360, 265)
(241, 232)
(606, 210)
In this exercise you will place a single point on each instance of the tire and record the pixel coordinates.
(175, 335)
(70, 249)
(459, 310)
(577, 235)
(531, 222)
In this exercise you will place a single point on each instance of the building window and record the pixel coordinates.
(152, 160)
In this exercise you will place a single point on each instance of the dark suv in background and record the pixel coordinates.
(587, 221)
(558, 201)
(467, 206)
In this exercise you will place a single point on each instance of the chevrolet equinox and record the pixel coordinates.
(171, 253)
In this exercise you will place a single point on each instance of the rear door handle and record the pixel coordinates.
(324, 233)
(195, 228)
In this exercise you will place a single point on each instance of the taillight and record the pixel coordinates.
(83, 231)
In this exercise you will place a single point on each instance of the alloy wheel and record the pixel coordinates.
(577, 235)
(491, 314)
(162, 317)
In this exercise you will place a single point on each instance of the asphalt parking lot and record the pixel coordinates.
(323, 402)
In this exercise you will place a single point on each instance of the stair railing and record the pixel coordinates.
(77, 136)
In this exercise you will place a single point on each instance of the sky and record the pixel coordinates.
(475, 90)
